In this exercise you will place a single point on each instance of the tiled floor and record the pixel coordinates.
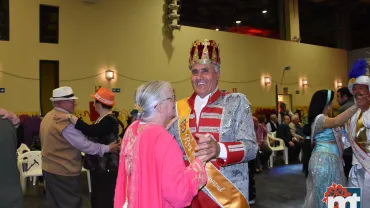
(280, 187)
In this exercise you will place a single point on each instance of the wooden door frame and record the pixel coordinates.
(40, 82)
(291, 101)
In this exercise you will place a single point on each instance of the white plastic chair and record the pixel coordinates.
(22, 149)
(32, 168)
(88, 177)
(280, 147)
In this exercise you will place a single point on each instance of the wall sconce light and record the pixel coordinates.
(109, 75)
(267, 80)
(339, 84)
(304, 82)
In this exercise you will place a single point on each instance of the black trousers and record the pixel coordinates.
(252, 183)
(347, 158)
(306, 151)
(63, 191)
(103, 186)
(263, 155)
(293, 152)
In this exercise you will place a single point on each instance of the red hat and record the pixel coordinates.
(204, 52)
(104, 96)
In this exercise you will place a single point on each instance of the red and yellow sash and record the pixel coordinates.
(226, 194)
(360, 154)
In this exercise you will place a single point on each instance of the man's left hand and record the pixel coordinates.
(207, 147)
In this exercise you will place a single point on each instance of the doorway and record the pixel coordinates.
(287, 99)
(49, 80)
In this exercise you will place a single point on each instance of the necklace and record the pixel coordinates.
(100, 118)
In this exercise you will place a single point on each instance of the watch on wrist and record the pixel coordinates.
(69, 117)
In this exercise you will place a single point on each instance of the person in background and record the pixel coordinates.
(10, 187)
(61, 147)
(116, 114)
(264, 152)
(296, 128)
(345, 100)
(152, 172)
(291, 142)
(272, 124)
(104, 169)
(131, 118)
(283, 112)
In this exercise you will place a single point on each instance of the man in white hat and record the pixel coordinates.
(358, 131)
(61, 145)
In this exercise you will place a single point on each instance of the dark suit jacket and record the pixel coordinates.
(10, 186)
(283, 132)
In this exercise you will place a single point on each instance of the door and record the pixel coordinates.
(49, 80)
(287, 99)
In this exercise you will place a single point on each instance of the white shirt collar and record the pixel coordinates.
(200, 103)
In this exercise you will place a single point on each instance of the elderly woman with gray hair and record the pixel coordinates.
(152, 172)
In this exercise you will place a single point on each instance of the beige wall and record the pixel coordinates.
(127, 36)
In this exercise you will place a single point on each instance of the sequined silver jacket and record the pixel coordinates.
(236, 126)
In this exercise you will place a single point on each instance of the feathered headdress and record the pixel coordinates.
(359, 74)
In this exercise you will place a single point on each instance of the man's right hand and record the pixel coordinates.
(291, 144)
(114, 146)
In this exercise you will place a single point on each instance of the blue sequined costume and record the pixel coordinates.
(325, 166)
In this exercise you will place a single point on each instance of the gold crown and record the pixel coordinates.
(204, 52)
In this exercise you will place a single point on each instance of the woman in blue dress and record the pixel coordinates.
(325, 166)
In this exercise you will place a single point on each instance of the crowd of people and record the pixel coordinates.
(201, 151)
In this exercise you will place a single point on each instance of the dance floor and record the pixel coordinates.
(280, 187)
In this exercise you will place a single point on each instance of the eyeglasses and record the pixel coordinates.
(71, 101)
(172, 98)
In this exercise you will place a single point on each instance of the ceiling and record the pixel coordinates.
(320, 20)
(223, 13)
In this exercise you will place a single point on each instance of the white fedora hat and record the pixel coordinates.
(63, 93)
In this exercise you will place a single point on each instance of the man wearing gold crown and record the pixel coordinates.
(216, 127)
(358, 130)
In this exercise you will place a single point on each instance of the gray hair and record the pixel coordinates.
(215, 66)
(294, 117)
(148, 95)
